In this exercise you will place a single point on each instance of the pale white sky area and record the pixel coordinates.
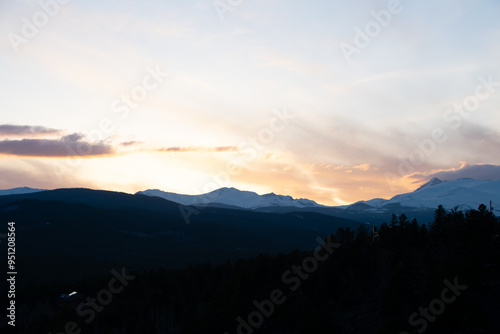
(336, 101)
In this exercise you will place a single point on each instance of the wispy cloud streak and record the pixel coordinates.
(199, 149)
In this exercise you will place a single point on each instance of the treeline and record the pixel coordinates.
(443, 277)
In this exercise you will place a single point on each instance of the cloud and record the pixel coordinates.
(407, 74)
(199, 149)
(131, 143)
(68, 146)
(75, 145)
(363, 167)
(477, 171)
(24, 130)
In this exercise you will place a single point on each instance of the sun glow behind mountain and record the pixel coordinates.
(129, 96)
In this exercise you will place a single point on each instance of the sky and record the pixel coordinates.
(335, 101)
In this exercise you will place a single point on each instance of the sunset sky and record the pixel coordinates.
(335, 101)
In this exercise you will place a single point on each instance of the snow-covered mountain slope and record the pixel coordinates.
(19, 191)
(376, 202)
(462, 193)
(234, 197)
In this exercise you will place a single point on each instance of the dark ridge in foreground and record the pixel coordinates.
(405, 278)
(70, 234)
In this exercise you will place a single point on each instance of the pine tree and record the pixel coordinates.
(438, 226)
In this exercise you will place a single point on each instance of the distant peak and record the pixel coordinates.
(20, 191)
(433, 182)
(227, 189)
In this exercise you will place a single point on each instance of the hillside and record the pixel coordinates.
(75, 233)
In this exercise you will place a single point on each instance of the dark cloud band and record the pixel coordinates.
(478, 172)
(67, 146)
(25, 130)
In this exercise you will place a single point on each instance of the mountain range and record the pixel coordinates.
(73, 236)
(233, 197)
(74, 233)
(463, 194)
(88, 228)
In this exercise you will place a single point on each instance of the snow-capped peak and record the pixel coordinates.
(463, 193)
(433, 182)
